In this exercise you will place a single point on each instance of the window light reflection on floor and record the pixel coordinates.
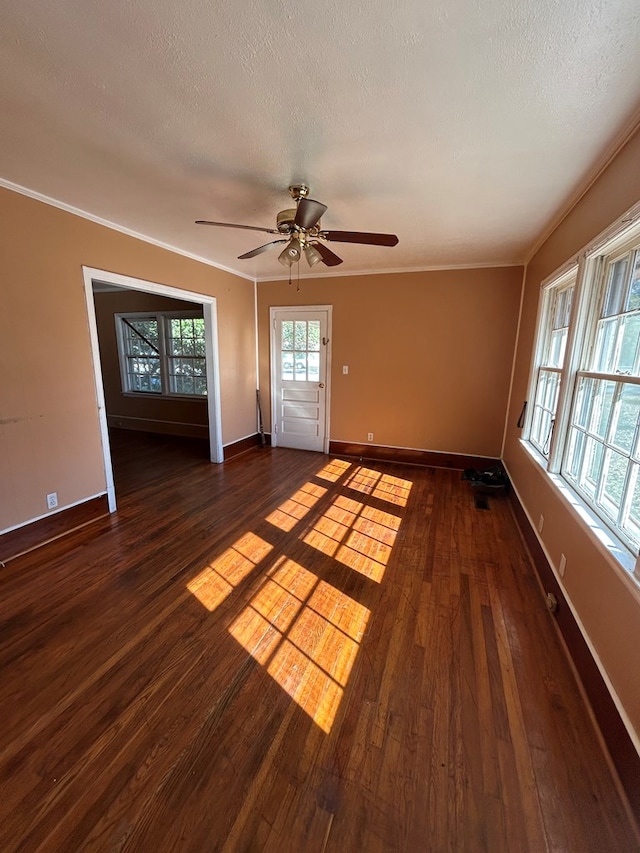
(368, 481)
(304, 631)
(356, 535)
(217, 580)
(307, 634)
(289, 513)
(333, 470)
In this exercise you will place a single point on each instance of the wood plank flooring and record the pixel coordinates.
(292, 652)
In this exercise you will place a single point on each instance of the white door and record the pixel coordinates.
(299, 371)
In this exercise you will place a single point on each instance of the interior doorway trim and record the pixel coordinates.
(93, 276)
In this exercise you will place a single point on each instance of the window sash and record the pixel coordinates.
(169, 363)
(544, 409)
(602, 450)
(553, 336)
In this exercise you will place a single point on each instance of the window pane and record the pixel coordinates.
(557, 347)
(186, 349)
(562, 308)
(301, 366)
(615, 473)
(287, 365)
(582, 413)
(626, 361)
(287, 335)
(300, 335)
(626, 417)
(544, 409)
(314, 335)
(182, 375)
(546, 426)
(551, 391)
(142, 335)
(601, 413)
(143, 374)
(606, 335)
(591, 466)
(615, 288)
(313, 362)
(141, 346)
(575, 453)
(633, 299)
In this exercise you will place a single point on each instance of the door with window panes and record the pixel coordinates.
(299, 343)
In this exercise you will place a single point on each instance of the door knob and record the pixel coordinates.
(320, 384)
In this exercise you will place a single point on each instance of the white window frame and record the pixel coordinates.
(163, 319)
(589, 291)
(539, 436)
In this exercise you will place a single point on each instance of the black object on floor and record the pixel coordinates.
(481, 501)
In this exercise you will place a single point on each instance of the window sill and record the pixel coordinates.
(152, 395)
(619, 554)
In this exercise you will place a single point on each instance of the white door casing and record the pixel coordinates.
(209, 312)
(300, 370)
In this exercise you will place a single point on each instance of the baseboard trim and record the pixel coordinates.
(27, 538)
(230, 451)
(159, 427)
(621, 748)
(426, 458)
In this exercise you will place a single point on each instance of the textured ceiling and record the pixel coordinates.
(464, 128)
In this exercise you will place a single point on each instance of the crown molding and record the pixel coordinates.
(113, 226)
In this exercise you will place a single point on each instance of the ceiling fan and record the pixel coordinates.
(300, 227)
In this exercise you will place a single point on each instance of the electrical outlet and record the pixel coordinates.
(563, 565)
(345, 369)
(52, 500)
(541, 524)
(369, 436)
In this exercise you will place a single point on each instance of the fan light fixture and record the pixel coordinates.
(291, 253)
(299, 227)
(312, 255)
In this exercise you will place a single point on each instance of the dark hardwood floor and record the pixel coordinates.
(291, 652)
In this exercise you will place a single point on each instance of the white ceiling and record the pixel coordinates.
(465, 128)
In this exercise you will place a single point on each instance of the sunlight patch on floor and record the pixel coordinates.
(289, 513)
(217, 580)
(368, 481)
(307, 634)
(333, 470)
(358, 536)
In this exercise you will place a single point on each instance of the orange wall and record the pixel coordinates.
(172, 416)
(605, 600)
(429, 355)
(49, 433)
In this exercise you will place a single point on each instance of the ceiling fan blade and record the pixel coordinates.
(360, 237)
(328, 257)
(309, 212)
(231, 225)
(260, 249)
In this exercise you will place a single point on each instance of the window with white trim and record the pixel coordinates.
(556, 311)
(586, 381)
(162, 353)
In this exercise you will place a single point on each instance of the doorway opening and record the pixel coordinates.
(100, 281)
